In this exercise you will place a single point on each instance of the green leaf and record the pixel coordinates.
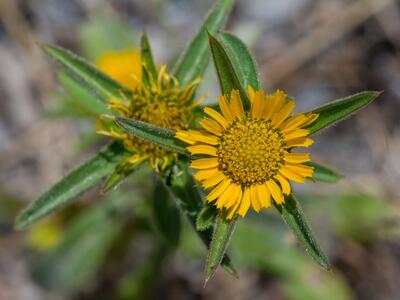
(152, 134)
(72, 185)
(123, 170)
(206, 217)
(323, 173)
(85, 246)
(166, 215)
(242, 61)
(189, 200)
(227, 75)
(194, 59)
(340, 109)
(81, 97)
(221, 237)
(147, 57)
(88, 75)
(293, 215)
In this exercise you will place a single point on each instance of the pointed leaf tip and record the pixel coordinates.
(340, 109)
(223, 232)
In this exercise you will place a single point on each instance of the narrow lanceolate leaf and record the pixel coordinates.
(323, 173)
(194, 59)
(294, 217)
(152, 134)
(81, 97)
(182, 185)
(166, 215)
(340, 109)
(102, 86)
(228, 78)
(206, 217)
(146, 56)
(242, 61)
(74, 184)
(221, 237)
(121, 172)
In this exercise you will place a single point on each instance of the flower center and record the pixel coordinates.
(251, 151)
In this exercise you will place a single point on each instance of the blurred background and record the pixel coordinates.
(105, 247)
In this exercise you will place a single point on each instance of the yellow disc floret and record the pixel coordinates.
(251, 151)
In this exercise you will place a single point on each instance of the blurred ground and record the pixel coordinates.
(316, 51)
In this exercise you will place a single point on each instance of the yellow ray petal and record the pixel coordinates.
(185, 137)
(226, 195)
(216, 116)
(300, 142)
(300, 169)
(213, 181)
(257, 105)
(284, 184)
(205, 174)
(310, 119)
(282, 115)
(232, 211)
(245, 204)
(218, 190)
(236, 196)
(204, 163)
(250, 93)
(293, 123)
(263, 195)
(212, 126)
(275, 191)
(225, 108)
(295, 134)
(201, 137)
(202, 149)
(290, 174)
(236, 104)
(274, 103)
(296, 158)
(255, 203)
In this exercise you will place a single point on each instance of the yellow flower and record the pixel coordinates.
(159, 101)
(122, 66)
(245, 157)
(46, 235)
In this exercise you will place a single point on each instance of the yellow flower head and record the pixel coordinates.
(159, 101)
(246, 157)
(122, 66)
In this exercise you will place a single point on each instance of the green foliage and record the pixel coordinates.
(72, 185)
(80, 97)
(187, 196)
(228, 78)
(166, 215)
(147, 57)
(323, 173)
(85, 246)
(153, 134)
(340, 109)
(102, 86)
(293, 215)
(223, 232)
(206, 217)
(242, 61)
(194, 59)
